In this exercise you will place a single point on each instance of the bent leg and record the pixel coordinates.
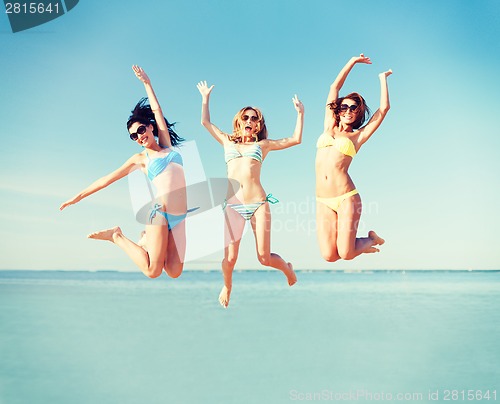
(349, 246)
(261, 225)
(156, 244)
(326, 231)
(176, 250)
(150, 262)
(234, 225)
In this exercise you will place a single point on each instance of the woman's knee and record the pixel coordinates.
(330, 257)
(329, 253)
(174, 271)
(153, 271)
(265, 259)
(231, 259)
(347, 253)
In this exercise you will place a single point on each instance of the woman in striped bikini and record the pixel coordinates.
(245, 150)
(338, 206)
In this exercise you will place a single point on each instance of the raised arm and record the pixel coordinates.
(130, 165)
(205, 112)
(163, 135)
(296, 138)
(335, 87)
(366, 131)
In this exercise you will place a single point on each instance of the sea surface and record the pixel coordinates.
(111, 337)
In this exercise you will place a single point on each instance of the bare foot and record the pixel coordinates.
(105, 234)
(371, 250)
(290, 275)
(142, 242)
(224, 295)
(376, 238)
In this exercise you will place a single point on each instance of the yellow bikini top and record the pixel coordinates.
(342, 144)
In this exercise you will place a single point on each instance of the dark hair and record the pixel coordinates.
(362, 113)
(143, 114)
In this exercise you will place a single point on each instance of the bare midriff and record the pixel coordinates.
(332, 178)
(244, 176)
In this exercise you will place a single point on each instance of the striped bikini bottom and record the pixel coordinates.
(247, 210)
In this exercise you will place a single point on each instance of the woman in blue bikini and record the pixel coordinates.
(338, 206)
(245, 150)
(165, 242)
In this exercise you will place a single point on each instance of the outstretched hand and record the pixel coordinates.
(141, 74)
(362, 59)
(71, 201)
(299, 107)
(204, 89)
(386, 74)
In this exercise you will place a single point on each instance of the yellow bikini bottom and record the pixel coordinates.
(334, 203)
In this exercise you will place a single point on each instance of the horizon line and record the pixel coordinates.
(262, 269)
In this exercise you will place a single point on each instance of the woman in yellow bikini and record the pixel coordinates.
(244, 151)
(338, 206)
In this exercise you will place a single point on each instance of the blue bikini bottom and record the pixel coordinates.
(172, 220)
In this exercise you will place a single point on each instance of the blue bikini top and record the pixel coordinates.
(253, 151)
(157, 165)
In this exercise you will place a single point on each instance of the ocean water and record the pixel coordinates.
(110, 337)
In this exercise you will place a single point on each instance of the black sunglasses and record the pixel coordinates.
(345, 107)
(141, 130)
(245, 118)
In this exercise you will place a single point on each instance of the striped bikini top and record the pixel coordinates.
(156, 165)
(253, 151)
(343, 144)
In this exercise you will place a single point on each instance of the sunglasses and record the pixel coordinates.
(141, 130)
(245, 118)
(345, 107)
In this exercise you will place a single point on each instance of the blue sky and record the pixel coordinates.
(428, 177)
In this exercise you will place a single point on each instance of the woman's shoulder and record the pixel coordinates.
(138, 157)
(329, 132)
(229, 140)
(264, 142)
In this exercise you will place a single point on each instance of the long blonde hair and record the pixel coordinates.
(238, 125)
